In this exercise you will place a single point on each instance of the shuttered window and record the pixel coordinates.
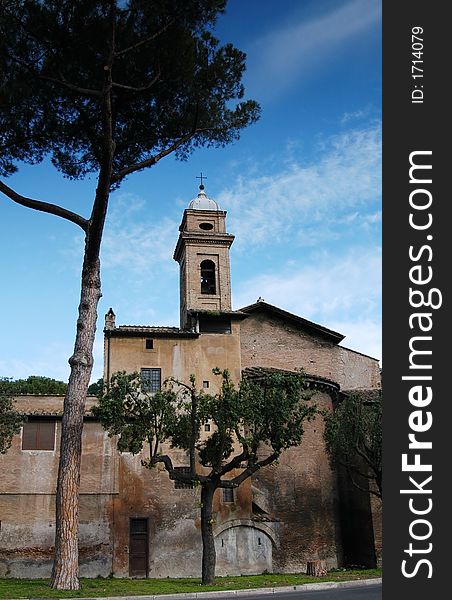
(38, 435)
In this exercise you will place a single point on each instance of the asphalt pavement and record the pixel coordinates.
(365, 589)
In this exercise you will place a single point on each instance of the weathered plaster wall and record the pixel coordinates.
(27, 501)
(179, 357)
(301, 492)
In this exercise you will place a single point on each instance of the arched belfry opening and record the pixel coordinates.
(202, 252)
(208, 277)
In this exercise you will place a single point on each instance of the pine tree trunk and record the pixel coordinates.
(208, 542)
(65, 574)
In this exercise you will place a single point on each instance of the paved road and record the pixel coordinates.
(367, 592)
(370, 592)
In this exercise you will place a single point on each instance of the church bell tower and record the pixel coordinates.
(202, 252)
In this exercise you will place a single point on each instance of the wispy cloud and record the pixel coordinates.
(342, 292)
(133, 240)
(282, 56)
(312, 197)
(356, 115)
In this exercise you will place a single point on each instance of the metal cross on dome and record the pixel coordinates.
(202, 177)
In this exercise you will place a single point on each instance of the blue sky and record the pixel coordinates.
(302, 189)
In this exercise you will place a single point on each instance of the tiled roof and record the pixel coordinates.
(151, 330)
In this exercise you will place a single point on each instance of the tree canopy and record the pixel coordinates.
(95, 388)
(251, 425)
(34, 384)
(170, 84)
(353, 436)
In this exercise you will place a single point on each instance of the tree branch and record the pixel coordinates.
(173, 474)
(80, 90)
(236, 481)
(152, 160)
(75, 88)
(52, 209)
(131, 88)
(234, 463)
(145, 41)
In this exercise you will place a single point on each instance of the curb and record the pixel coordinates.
(306, 587)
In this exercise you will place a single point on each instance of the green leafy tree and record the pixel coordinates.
(252, 425)
(107, 88)
(353, 437)
(10, 422)
(34, 384)
(96, 388)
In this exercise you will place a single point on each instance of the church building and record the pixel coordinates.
(136, 522)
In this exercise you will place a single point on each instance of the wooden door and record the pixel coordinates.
(138, 548)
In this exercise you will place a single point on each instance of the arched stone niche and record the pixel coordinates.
(244, 547)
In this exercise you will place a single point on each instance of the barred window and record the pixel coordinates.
(152, 380)
(228, 495)
(180, 485)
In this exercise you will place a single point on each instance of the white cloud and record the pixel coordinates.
(355, 115)
(361, 335)
(341, 292)
(135, 241)
(282, 56)
(346, 178)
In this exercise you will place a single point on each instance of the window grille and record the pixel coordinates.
(228, 495)
(152, 380)
(180, 485)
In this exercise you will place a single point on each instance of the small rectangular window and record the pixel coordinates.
(207, 427)
(38, 435)
(138, 525)
(228, 495)
(205, 384)
(152, 380)
(149, 344)
(180, 485)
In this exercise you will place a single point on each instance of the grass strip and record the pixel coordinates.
(12, 589)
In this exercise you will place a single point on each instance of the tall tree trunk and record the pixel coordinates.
(208, 542)
(65, 574)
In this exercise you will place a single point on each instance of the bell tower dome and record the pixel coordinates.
(202, 252)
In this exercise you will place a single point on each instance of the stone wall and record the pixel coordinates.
(269, 341)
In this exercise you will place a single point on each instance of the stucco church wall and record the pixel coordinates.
(179, 357)
(268, 341)
(173, 515)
